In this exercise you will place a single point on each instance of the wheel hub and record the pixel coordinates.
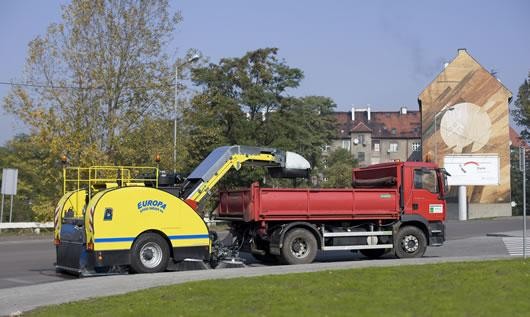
(299, 248)
(151, 255)
(410, 243)
(148, 254)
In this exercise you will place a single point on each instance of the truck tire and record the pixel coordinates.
(299, 247)
(149, 254)
(373, 253)
(410, 242)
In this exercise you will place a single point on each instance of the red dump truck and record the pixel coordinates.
(394, 207)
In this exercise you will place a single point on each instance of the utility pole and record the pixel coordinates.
(177, 113)
(522, 167)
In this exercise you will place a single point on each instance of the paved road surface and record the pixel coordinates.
(30, 262)
(26, 262)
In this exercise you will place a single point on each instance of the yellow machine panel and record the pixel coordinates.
(72, 203)
(116, 217)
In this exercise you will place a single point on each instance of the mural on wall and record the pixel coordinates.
(470, 108)
(466, 125)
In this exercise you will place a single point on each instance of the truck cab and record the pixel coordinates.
(422, 187)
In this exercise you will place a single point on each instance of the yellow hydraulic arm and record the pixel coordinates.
(215, 166)
(235, 162)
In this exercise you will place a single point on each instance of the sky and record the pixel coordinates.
(358, 53)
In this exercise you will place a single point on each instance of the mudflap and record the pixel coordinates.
(74, 258)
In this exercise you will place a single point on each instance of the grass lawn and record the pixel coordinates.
(492, 288)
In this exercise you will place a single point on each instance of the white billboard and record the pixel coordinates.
(472, 169)
(9, 181)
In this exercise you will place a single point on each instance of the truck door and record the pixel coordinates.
(425, 199)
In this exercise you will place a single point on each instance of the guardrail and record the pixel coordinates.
(36, 226)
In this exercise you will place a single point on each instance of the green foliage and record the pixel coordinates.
(516, 180)
(492, 288)
(339, 169)
(245, 101)
(39, 177)
(521, 113)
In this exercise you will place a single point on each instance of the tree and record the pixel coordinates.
(516, 178)
(339, 169)
(521, 113)
(245, 101)
(100, 73)
(101, 91)
(37, 182)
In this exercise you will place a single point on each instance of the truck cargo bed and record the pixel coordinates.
(288, 204)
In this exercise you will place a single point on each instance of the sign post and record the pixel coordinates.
(2, 210)
(522, 167)
(462, 203)
(9, 187)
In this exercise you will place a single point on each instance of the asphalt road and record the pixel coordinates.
(30, 261)
(26, 266)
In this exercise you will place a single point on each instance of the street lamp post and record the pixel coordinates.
(192, 59)
(444, 110)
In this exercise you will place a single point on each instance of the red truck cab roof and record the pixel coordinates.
(384, 174)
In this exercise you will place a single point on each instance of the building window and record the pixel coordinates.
(393, 147)
(393, 131)
(360, 137)
(416, 146)
(360, 156)
(346, 144)
(326, 148)
(376, 145)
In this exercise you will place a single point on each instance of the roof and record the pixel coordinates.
(462, 60)
(382, 124)
(516, 140)
(361, 127)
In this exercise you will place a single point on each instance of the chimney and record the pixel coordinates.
(461, 51)
(403, 110)
(367, 109)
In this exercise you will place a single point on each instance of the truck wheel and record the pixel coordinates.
(373, 253)
(149, 254)
(299, 247)
(410, 242)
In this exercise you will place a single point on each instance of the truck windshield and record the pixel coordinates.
(425, 179)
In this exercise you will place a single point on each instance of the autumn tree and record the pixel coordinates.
(99, 74)
(100, 87)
